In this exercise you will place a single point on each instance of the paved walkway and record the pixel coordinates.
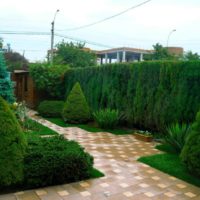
(125, 178)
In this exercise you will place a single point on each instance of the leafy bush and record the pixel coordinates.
(76, 109)
(49, 78)
(51, 108)
(191, 152)
(107, 118)
(55, 160)
(150, 94)
(12, 147)
(176, 136)
(75, 55)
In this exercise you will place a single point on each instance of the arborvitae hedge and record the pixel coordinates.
(150, 94)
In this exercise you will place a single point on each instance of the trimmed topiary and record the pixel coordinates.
(76, 109)
(51, 108)
(55, 160)
(191, 152)
(12, 147)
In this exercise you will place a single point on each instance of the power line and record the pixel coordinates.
(58, 35)
(23, 33)
(83, 41)
(107, 18)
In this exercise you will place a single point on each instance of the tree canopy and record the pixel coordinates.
(190, 56)
(159, 53)
(15, 60)
(75, 55)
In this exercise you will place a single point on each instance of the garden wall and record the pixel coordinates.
(150, 94)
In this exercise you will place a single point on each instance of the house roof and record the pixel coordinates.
(120, 49)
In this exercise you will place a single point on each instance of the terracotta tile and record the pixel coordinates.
(40, 192)
(149, 194)
(63, 193)
(190, 194)
(169, 194)
(85, 193)
(128, 194)
(181, 186)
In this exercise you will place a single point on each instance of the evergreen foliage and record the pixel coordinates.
(152, 95)
(191, 151)
(55, 160)
(6, 86)
(51, 108)
(76, 109)
(12, 147)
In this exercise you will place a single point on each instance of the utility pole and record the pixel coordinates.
(52, 36)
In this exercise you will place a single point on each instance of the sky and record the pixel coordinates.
(139, 28)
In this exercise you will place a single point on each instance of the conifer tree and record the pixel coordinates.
(76, 109)
(12, 147)
(6, 86)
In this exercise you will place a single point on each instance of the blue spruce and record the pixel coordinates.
(6, 85)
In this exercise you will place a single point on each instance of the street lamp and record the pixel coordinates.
(52, 35)
(170, 33)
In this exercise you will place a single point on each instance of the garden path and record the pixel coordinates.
(125, 178)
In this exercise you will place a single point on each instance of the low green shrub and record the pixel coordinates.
(191, 152)
(176, 136)
(55, 160)
(12, 147)
(107, 118)
(76, 109)
(51, 108)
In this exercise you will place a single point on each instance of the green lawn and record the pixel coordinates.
(171, 164)
(89, 127)
(38, 129)
(166, 148)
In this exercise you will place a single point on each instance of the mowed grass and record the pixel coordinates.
(171, 164)
(90, 127)
(38, 129)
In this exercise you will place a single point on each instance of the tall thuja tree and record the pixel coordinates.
(6, 86)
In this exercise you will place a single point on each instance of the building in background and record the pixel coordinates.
(121, 54)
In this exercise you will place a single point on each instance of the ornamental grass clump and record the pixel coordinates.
(176, 136)
(76, 109)
(12, 147)
(107, 118)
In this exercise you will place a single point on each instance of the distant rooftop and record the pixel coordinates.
(120, 49)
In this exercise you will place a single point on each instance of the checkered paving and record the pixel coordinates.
(125, 178)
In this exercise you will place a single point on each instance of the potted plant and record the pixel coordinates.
(144, 136)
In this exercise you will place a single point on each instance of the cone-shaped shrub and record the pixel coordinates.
(6, 85)
(76, 109)
(191, 151)
(12, 147)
